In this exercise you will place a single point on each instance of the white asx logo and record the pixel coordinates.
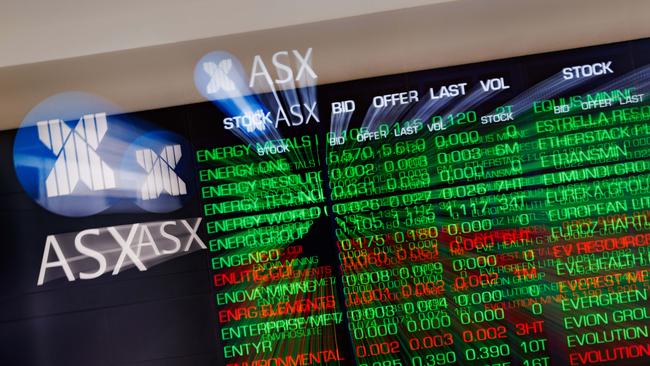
(75, 155)
(76, 151)
(160, 172)
(219, 76)
(93, 252)
(285, 73)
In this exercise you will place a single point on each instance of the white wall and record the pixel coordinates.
(424, 37)
(43, 30)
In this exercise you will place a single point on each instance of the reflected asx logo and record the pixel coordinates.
(278, 91)
(80, 166)
(219, 76)
(161, 175)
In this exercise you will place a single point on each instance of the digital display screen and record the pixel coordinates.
(488, 214)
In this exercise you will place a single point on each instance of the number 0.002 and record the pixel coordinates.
(377, 349)
(483, 334)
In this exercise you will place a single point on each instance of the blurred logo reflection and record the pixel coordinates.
(77, 155)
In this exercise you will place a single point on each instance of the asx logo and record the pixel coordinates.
(283, 66)
(76, 155)
(219, 78)
(80, 163)
(91, 253)
(220, 75)
(79, 167)
(161, 174)
(250, 101)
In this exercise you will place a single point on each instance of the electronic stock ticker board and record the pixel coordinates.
(488, 214)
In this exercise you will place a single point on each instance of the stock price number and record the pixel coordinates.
(486, 352)
(436, 359)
